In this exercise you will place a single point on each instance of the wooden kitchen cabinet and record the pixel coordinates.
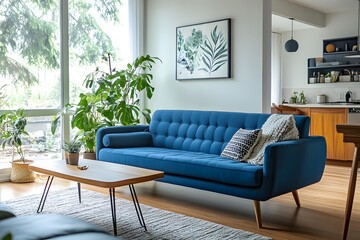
(323, 123)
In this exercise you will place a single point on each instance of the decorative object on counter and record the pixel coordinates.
(298, 99)
(292, 45)
(322, 78)
(302, 99)
(294, 98)
(321, 98)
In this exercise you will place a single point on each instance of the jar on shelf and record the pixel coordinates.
(322, 78)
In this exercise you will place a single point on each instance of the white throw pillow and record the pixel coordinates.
(241, 144)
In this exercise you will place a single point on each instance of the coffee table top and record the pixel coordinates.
(99, 173)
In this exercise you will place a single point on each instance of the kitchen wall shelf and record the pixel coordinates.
(337, 60)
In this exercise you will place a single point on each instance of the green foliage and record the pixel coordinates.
(214, 51)
(294, 98)
(302, 98)
(7, 237)
(2, 96)
(12, 130)
(35, 37)
(190, 47)
(113, 99)
(73, 146)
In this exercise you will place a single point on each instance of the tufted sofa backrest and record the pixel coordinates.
(206, 131)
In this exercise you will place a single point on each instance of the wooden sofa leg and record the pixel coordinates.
(296, 198)
(258, 213)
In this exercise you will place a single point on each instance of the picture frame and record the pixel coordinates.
(203, 50)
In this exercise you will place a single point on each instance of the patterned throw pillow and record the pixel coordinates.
(241, 144)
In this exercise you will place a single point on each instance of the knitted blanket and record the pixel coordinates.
(277, 128)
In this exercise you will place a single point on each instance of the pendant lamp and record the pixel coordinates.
(291, 45)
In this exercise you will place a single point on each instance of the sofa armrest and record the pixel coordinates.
(291, 165)
(116, 129)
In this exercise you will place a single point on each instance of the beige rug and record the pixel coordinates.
(161, 224)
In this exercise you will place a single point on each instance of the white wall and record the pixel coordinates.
(243, 92)
(294, 65)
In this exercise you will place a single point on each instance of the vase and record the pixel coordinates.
(20, 172)
(73, 158)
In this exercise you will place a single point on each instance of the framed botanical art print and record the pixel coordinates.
(203, 50)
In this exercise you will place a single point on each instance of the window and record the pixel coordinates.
(31, 73)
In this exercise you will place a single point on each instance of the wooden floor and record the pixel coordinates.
(320, 217)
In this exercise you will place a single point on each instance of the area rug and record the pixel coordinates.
(161, 224)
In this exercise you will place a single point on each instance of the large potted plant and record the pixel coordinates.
(113, 98)
(12, 131)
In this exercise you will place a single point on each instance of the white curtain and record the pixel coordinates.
(276, 68)
(136, 27)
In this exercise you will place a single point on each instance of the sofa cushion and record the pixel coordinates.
(5, 212)
(241, 144)
(46, 226)
(132, 139)
(186, 163)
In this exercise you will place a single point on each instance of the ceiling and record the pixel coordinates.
(328, 6)
(281, 24)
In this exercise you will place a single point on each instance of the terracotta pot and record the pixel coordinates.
(73, 158)
(20, 172)
(89, 155)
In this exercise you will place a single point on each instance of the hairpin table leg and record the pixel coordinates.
(113, 209)
(45, 193)
(79, 191)
(137, 206)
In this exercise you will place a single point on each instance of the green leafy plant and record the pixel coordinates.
(214, 51)
(73, 146)
(294, 98)
(12, 130)
(302, 98)
(328, 75)
(113, 99)
(7, 237)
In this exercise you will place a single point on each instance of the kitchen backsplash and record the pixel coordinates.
(333, 93)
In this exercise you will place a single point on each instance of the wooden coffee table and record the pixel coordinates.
(100, 174)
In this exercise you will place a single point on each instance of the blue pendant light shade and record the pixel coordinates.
(291, 45)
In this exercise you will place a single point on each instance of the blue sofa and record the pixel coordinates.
(186, 145)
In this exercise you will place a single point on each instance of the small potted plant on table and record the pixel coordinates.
(72, 150)
(12, 130)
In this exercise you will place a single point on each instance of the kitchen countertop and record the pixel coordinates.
(323, 105)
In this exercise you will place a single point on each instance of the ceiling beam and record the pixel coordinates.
(302, 14)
